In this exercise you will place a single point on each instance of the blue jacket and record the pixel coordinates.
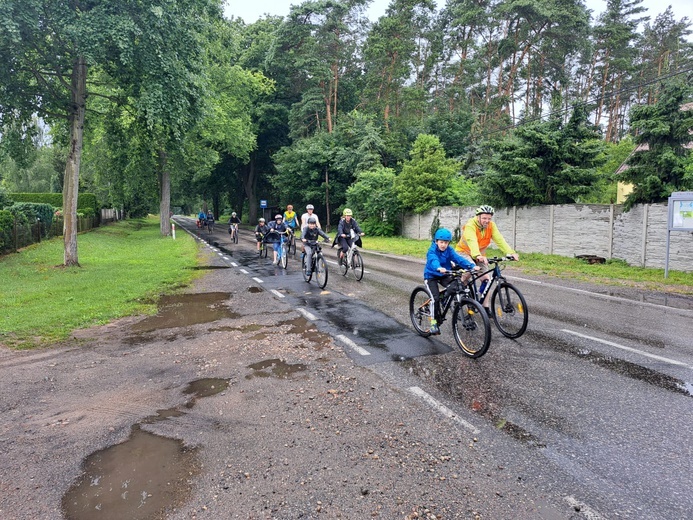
(436, 258)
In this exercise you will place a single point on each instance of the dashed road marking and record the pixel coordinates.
(244, 271)
(353, 345)
(629, 349)
(258, 280)
(276, 293)
(234, 264)
(442, 408)
(307, 315)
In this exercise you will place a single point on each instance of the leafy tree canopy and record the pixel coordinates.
(662, 131)
(544, 163)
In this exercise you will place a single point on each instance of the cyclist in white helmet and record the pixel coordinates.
(308, 214)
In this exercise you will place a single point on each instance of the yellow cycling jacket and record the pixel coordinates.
(475, 240)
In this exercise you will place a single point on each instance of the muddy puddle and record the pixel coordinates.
(182, 310)
(275, 368)
(145, 477)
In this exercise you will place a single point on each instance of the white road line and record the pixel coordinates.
(258, 280)
(225, 257)
(442, 408)
(234, 264)
(353, 345)
(629, 349)
(598, 295)
(276, 293)
(307, 315)
(244, 271)
(584, 510)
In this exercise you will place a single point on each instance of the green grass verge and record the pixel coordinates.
(613, 272)
(124, 267)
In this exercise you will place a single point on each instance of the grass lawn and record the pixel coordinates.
(124, 267)
(613, 272)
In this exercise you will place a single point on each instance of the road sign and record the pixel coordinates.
(263, 204)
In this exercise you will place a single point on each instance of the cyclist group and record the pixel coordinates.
(469, 253)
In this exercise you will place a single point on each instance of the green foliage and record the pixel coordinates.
(662, 131)
(544, 163)
(426, 176)
(33, 211)
(604, 190)
(373, 200)
(5, 199)
(6, 230)
(85, 201)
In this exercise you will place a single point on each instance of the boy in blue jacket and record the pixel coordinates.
(438, 261)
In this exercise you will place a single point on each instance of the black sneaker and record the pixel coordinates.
(488, 311)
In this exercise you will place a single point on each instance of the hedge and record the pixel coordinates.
(85, 201)
(6, 228)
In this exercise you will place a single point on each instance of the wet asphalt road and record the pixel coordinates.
(597, 393)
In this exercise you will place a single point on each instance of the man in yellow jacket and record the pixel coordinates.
(477, 234)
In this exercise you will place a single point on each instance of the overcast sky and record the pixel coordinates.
(251, 10)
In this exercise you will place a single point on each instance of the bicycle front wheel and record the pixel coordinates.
(509, 310)
(321, 271)
(471, 328)
(284, 260)
(420, 311)
(235, 236)
(357, 265)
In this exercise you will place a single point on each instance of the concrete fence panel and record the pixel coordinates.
(637, 236)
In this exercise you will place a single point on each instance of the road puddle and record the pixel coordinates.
(206, 387)
(275, 368)
(254, 290)
(182, 310)
(144, 477)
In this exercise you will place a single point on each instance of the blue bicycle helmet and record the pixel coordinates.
(443, 234)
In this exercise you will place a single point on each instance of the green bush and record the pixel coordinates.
(85, 201)
(6, 230)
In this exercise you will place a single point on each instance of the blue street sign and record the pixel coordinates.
(263, 203)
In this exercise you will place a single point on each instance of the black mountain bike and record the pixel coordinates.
(508, 306)
(470, 324)
(319, 265)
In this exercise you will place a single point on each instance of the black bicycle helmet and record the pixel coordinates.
(312, 220)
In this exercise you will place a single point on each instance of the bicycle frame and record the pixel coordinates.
(496, 276)
(448, 298)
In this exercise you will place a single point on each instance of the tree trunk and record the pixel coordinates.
(164, 194)
(74, 157)
(250, 187)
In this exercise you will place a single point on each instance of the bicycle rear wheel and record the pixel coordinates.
(284, 260)
(308, 276)
(471, 328)
(420, 311)
(357, 265)
(321, 271)
(509, 310)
